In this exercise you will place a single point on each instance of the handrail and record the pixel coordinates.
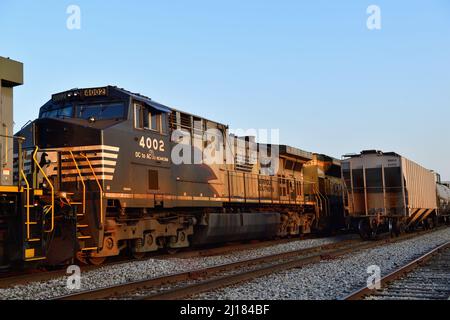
(51, 187)
(325, 199)
(99, 187)
(28, 122)
(318, 197)
(6, 145)
(28, 202)
(7, 136)
(82, 182)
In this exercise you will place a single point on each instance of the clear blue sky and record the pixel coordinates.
(310, 68)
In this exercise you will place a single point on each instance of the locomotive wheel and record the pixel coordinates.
(431, 223)
(172, 250)
(398, 230)
(96, 261)
(138, 255)
(402, 228)
(82, 257)
(364, 229)
(373, 233)
(392, 228)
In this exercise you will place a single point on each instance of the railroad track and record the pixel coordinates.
(230, 248)
(426, 278)
(309, 255)
(188, 284)
(18, 278)
(158, 283)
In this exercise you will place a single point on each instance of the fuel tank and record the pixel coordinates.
(226, 227)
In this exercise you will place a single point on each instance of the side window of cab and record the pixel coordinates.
(147, 118)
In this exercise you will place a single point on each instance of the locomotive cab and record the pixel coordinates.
(86, 108)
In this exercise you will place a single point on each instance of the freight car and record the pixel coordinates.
(385, 191)
(443, 194)
(105, 171)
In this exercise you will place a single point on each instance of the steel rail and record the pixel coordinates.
(228, 280)
(22, 278)
(278, 261)
(17, 278)
(279, 265)
(325, 251)
(364, 292)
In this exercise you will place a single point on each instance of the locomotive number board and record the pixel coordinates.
(81, 93)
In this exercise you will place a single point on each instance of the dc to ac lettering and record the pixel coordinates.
(228, 310)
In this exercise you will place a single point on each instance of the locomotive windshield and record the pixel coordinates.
(63, 112)
(97, 111)
(100, 111)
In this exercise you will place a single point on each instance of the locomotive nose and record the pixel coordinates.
(50, 133)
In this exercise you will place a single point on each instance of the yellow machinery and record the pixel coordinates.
(19, 208)
(11, 75)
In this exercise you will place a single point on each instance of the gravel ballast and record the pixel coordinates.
(139, 270)
(332, 279)
(325, 280)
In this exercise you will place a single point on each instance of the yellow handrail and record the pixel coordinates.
(28, 202)
(6, 145)
(99, 187)
(318, 197)
(82, 182)
(51, 187)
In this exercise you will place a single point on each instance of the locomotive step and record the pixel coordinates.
(35, 259)
(82, 225)
(84, 237)
(34, 240)
(89, 249)
(31, 223)
(76, 203)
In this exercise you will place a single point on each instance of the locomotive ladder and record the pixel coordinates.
(82, 225)
(34, 215)
(51, 208)
(33, 241)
